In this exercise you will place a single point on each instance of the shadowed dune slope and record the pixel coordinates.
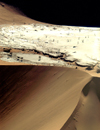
(39, 97)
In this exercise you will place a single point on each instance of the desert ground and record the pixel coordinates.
(49, 74)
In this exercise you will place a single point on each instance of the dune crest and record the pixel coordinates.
(16, 17)
(48, 97)
(50, 94)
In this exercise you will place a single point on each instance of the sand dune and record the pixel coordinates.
(15, 16)
(50, 94)
(86, 116)
(46, 97)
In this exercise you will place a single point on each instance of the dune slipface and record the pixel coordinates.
(39, 97)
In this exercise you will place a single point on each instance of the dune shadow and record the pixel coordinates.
(98, 70)
(94, 83)
(89, 68)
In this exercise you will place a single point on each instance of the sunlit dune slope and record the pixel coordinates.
(11, 15)
(39, 97)
(86, 116)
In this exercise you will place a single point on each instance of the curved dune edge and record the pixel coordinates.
(86, 116)
(49, 102)
(50, 94)
(16, 17)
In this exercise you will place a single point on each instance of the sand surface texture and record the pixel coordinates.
(44, 96)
